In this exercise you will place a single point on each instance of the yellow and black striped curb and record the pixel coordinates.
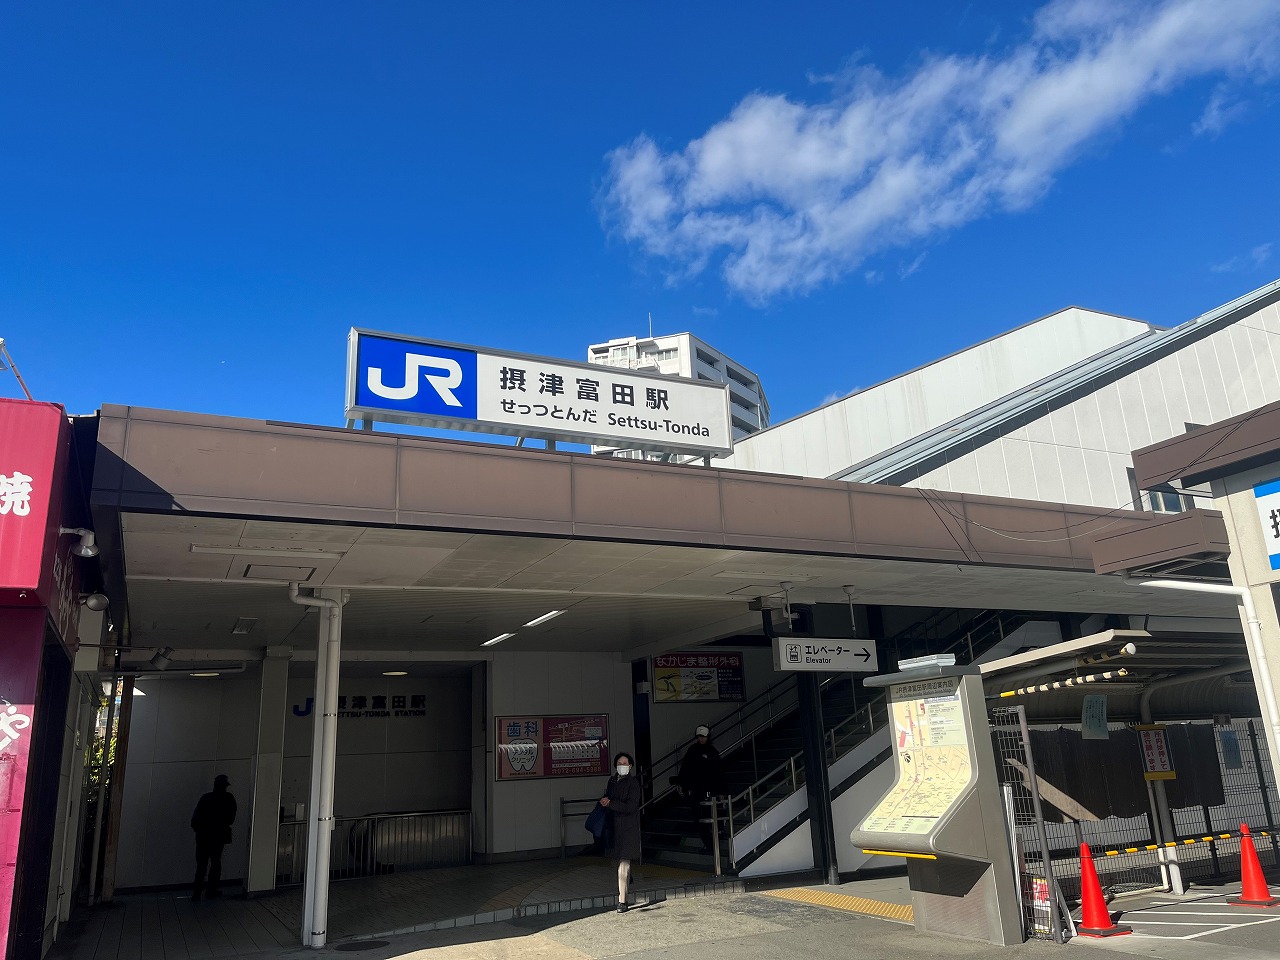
(1182, 843)
(838, 901)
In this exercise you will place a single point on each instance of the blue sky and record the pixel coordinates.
(200, 200)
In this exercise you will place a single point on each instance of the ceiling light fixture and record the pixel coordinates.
(283, 553)
(549, 615)
(395, 673)
(498, 639)
(207, 673)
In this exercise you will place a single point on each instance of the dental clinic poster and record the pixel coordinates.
(534, 747)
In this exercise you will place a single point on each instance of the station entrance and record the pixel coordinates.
(488, 596)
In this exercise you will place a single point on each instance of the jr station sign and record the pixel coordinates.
(431, 383)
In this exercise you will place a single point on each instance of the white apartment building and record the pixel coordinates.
(684, 355)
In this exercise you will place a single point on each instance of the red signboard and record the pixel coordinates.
(534, 747)
(23, 632)
(1157, 764)
(34, 441)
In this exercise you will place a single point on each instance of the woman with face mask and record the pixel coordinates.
(622, 799)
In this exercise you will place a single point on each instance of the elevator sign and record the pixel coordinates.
(817, 654)
(435, 384)
(1267, 496)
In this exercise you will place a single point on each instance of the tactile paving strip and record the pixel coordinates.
(839, 901)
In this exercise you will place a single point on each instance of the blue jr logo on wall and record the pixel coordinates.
(417, 378)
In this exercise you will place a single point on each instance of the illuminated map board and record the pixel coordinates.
(934, 763)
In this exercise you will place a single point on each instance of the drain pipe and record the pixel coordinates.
(1156, 788)
(1253, 640)
(324, 741)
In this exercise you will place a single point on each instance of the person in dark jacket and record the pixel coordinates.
(214, 814)
(622, 799)
(700, 778)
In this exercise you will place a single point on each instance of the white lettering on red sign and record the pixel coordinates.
(11, 721)
(15, 494)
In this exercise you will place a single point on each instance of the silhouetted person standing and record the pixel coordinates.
(212, 820)
(701, 778)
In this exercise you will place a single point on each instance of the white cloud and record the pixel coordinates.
(788, 195)
(834, 396)
(1252, 260)
(1219, 113)
(907, 269)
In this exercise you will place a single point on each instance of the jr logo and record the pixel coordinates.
(444, 384)
(431, 379)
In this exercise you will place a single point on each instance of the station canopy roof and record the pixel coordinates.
(443, 544)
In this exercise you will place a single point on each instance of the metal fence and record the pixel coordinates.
(379, 844)
(574, 810)
(1130, 853)
(1030, 845)
(1249, 796)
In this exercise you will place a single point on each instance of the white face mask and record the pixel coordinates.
(623, 769)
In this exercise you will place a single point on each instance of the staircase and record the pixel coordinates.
(761, 744)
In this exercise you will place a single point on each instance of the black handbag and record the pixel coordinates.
(598, 822)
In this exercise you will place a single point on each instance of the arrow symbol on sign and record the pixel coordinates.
(865, 654)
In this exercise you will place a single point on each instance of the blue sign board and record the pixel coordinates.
(1267, 496)
(415, 379)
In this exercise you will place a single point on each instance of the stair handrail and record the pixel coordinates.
(658, 768)
(920, 629)
(767, 698)
(796, 761)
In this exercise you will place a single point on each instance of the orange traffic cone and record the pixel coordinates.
(1253, 892)
(1095, 921)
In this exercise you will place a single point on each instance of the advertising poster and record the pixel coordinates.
(530, 748)
(697, 677)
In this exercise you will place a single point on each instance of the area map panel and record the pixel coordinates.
(933, 759)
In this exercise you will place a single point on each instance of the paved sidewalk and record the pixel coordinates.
(730, 927)
(169, 926)
(462, 896)
(815, 922)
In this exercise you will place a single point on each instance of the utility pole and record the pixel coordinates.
(7, 358)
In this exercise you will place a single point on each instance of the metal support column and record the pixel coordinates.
(328, 760)
(817, 782)
(268, 765)
(324, 742)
